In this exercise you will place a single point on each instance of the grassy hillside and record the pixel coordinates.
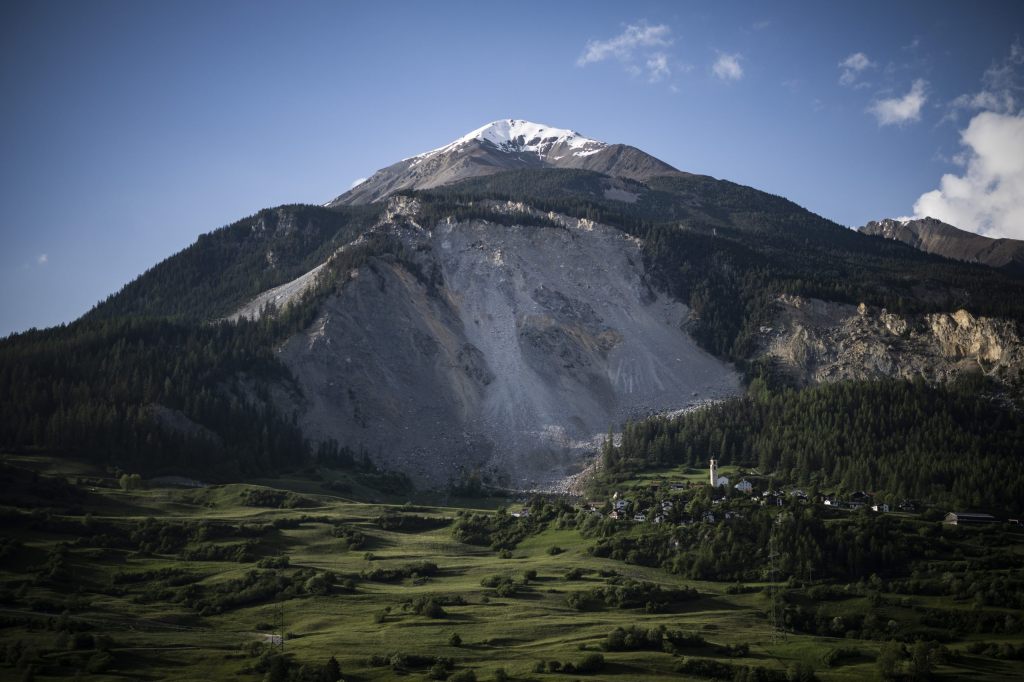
(197, 583)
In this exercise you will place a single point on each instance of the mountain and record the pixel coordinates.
(508, 144)
(480, 311)
(934, 236)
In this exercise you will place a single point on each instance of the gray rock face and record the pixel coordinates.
(510, 351)
(934, 236)
(502, 146)
(817, 341)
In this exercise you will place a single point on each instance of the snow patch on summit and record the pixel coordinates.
(515, 136)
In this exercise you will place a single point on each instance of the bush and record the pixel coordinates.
(591, 663)
(409, 523)
(427, 606)
(277, 499)
(281, 561)
(706, 667)
(386, 575)
(577, 600)
(454, 639)
(504, 586)
(554, 550)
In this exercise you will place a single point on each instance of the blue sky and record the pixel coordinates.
(129, 128)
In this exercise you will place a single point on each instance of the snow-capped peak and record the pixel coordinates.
(513, 135)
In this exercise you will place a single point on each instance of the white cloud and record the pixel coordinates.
(989, 197)
(624, 45)
(727, 67)
(357, 182)
(900, 110)
(1002, 86)
(43, 259)
(852, 68)
(657, 67)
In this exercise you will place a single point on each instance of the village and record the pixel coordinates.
(719, 500)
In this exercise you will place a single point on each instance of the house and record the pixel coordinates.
(722, 480)
(708, 517)
(907, 506)
(967, 518)
(666, 505)
(883, 508)
(615, 515)
(744, 486)
(640, 517)
(659, 519)
(622, 504)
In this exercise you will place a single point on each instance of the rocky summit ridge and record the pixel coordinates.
(508, 144)
(942, 239)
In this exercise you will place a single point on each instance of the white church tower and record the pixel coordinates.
(714, 473)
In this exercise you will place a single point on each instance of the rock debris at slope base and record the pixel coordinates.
(512, 356)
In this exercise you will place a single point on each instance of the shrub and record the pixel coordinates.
(555, 549)
(427, 606)
(280, 561)
(454, 639)
(591, 663)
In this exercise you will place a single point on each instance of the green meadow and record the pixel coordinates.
(272, 580)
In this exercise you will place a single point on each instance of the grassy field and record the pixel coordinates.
(96, 578)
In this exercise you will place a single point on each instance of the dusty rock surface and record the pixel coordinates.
(508, 350)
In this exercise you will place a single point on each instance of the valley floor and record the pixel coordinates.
(193, 584)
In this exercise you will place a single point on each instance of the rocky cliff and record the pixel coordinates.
(815, 341)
